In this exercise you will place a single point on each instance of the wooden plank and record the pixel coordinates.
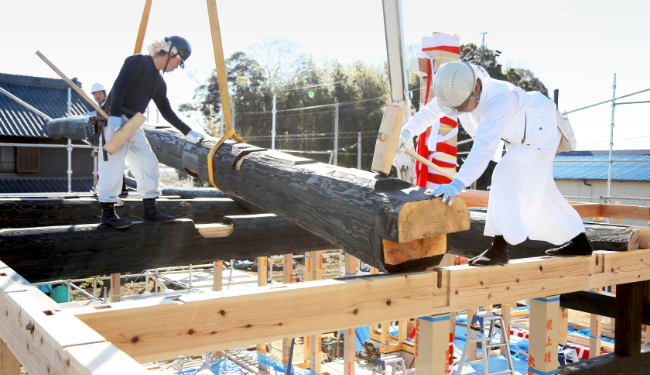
(9, 365)
(563, 326)
(594, 335)
(629, 305)
(599, 303)
(217, 282)
(35, 212)
(352, 209)
(323, 306)
(95, 249)
(432, 353)
(543, 349)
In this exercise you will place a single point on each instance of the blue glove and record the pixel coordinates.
(115, 122)
(449, 191)
(196, 135)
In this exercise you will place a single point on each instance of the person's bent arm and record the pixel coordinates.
(162, 102)
(487, 138)
(428, 115)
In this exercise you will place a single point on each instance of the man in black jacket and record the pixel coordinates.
(140, 81)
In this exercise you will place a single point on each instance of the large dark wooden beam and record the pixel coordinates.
(627, 327)
(355, 210)
(472, 242)
(598, 303)
(62, 252)
(37, 212)
(611, 364)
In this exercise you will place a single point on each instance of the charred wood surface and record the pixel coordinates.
(36, 212)
(62, 252)
(352, 209)
(599, 303)
(472, 242)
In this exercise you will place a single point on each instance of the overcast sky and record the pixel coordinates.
(575, 46)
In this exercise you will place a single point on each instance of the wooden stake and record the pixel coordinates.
(9, 365)
(544, 317)
(143, 27)
(432, 344)
(217, 275)
(115, 287)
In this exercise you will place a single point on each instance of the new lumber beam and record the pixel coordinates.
(37, 212)
(63, 252)
(603, 237)
(355, 210)
(46, 341)
(213, 321)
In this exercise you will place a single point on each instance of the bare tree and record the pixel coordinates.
(279, 60)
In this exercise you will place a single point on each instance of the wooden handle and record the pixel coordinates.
(428, 163)
(74, 87)
(125, 133)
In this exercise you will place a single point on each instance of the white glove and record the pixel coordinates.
(404, 136)
(196, 135)
(115, 122)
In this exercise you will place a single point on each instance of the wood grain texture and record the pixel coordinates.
(48, 253)
(629, 307)
(37, 212)
(603, 237)
(352, 209)
(387, 140)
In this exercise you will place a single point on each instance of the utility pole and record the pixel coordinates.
(611, 143)
(336, 133)
(359, 150)
(273, 128)
(482, 58)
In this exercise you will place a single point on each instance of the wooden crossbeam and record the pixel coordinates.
(210, 321)
(46, 341)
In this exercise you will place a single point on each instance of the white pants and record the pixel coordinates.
(142, 161)
(526, 203)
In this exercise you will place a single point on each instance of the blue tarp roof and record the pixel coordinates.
(593, 165)
(48, 95)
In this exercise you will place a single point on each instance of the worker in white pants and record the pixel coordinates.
(140, 81)
(142, 162)
(524, 200)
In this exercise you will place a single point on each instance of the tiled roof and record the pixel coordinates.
(629, 165)
(48, 95)
(13, 184)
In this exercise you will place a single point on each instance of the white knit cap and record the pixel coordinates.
(160, 45)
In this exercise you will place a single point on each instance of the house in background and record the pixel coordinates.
(581, 175)
(42, 167)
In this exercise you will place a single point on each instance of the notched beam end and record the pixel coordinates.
(432, 217)
(215, 230)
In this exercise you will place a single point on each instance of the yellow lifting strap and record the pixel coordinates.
(229, 134)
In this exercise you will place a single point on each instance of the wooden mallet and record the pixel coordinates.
(124, 134)
(387, 141)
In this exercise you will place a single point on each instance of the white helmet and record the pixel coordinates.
(97, 87)
(453, 84)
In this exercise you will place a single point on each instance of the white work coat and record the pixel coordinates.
(524, 200)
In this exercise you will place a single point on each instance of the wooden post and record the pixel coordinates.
(307, 275)
(563, 326)
(385, 337)
(594, 333)
(505, 312)
(349, 339)
(471, 356)
(9, 365)
(315, 339)
(217, 275)
(287, 272)
(432, 344)
(616, 220)
(629, 305)
(542, 352)
(401, 333)
(262, 277)
(115, 287)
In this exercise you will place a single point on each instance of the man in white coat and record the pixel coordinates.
(524, 200)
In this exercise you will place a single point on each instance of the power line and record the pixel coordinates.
(316, 106)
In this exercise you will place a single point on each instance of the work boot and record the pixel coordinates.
(579, 245)
(496, 254)
(150, 212)
(109, 217)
